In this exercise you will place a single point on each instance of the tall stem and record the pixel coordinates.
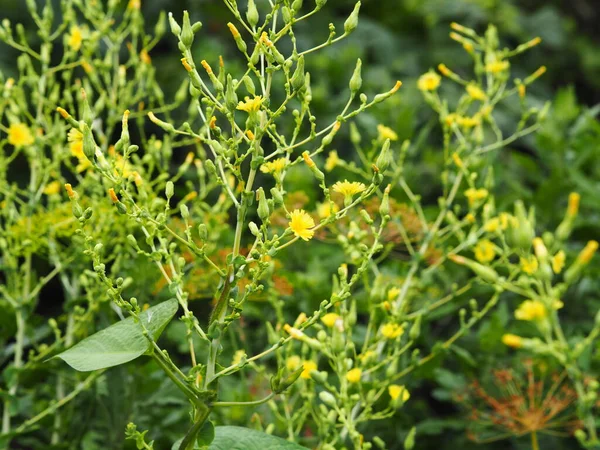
(534, 441)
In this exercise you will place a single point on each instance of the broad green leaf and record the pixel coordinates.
(121, 342)
(238, 438)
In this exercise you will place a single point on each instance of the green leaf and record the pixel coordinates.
(121, 342)
(206, 435)
(238, 438)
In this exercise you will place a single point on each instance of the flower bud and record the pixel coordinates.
(175, 28)
(252, 13)
(352, 21)
(327, 398)
(187, 35)
(297, 79)
(356, 80)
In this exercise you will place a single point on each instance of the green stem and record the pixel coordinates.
(202, 413)
(534, 441)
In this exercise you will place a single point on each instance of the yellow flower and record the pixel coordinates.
(506, 219)
(329, 319)
(391, 330)
(529, 265)
(451, 119)
(475, 92)
(52, 188)
(573, 207)
(332, 161)
(301, 223)
(429, 81)
(492, 225)
(386, 133)
(75, 38)
(275, 166)
(397, 391)
(75, 138)
(475, 195)
(145, 57)
(497, 66)
(348, 188)
(484, 251)
(292, 363)
(324, 209)
(393, 293)
(353, 376)
(237, 357)
(469, 122)
(250, 104)
(19, 135)
(588, 252)
(512, 340)
(531, 310)
(134, 4)
(309, 366)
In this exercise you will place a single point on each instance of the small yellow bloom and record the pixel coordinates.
(19, 135)
(512, 340)
(470, 218)
(451, 119)
(332, 161)
(429, 81)
(386, 133)
(237, 357)
(531, 310)
(250, 104)
(588, 252)
(292, 363)
(573, 208)
(329, 319)
(391, 330)
(393, 294)
(558, 262)
(275, 166)
(529, 265)
(506, 219)
(492, 225)
(309, 366)
(348, 188)
(324, 209)
(301, 223)
(75, 39)
(485, 251)
(52, 188)
(469, 122)
(497, 66)
(397, 391)
(134, 4)
(75, 138)
(145, 57)
(353, 376)
(457, 160)
(475, 195)
(475, 92)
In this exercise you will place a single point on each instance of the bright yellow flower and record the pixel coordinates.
(469, 122)
(497, 66)
(386, 133)
(75, 138)
(475, 92)
(324, 209)
(397, 391)
(52, 188)
(275, 166)
(506, 219)
(75, 39)
(492, 225)
(529, 265)
(588, 252)
(292, 363)
(348, 188)
(301, 223)
(332, 161)
(353, 376)
(429, 81)
(250, 104)
(329, 319)
(393, 293)
(451, 119)
(512, 340)
(145, 57)
(475, 195)
(309, 366)
(391, 330)
(19, 135)
(485, 251)
(531, 310)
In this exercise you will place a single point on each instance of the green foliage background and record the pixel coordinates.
(397, 39)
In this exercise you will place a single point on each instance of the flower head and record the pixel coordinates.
(512, 340)
(19, 135)
(275, 166)
(391, 330)
(348, 188)
(309, 366)
(75, 39)
(497, 66)
(397, 391)
(301, 223)
(531, 310)
(475, 92)
(485, 251)
(292, 363)
(529, 265)
(329, 319)
(353, 376)
(250, 104)
(386, 133)
(52, 188)
(475, 195)
(332, 161)
(429, 81)
(325, 209)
